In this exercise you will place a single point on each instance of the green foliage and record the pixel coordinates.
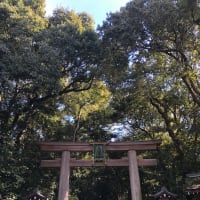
(158, 92)
(35, 73)
(102, 183)
(62, 81)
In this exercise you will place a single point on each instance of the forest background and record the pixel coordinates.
(136, 77)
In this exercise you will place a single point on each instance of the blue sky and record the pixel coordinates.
(95, 8)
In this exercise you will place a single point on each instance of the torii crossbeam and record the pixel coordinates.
(131, 161)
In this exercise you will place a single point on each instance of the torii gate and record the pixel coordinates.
(99, 160)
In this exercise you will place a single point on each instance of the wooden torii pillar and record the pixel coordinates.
(132, 161)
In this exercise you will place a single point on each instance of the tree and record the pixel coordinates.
(32, 60)
(152, 45)
(80, 105)
(35, 72)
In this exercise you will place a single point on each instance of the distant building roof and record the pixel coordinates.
(193, 192)
(193, 175)
(193, 188)
(164, 194)
(36, 196)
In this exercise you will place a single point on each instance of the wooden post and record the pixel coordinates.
(134, 176)
(64, 176)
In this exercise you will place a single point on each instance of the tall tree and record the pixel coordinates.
(40, 62)
(153, 46)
